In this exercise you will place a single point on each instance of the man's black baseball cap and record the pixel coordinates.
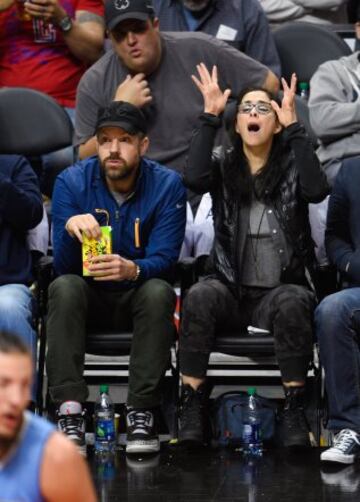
(119, 10)
(122, 114)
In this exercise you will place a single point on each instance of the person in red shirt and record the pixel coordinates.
(47, 44)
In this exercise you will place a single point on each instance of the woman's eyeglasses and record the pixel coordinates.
(261, 107)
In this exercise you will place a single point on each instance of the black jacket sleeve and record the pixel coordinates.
(314, 187)
(202, 165)
(338, 239)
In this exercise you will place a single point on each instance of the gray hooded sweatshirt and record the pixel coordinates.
(312, 11)
(334, 105)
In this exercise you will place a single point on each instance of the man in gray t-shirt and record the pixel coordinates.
(153, 71)
(240, 23)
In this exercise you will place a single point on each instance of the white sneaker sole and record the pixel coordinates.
(138, 446)
(332, 456)
(81, 449)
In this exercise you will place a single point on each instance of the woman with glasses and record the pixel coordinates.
(261, 182)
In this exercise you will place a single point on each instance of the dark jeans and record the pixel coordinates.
(337, 329)
(287, 311)
(74, 305)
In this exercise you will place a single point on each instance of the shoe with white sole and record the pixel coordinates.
(345, 448)
(142, 436)
(71, 421)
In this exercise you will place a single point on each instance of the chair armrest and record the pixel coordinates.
(186, 273)
(327, 281)
(45, 274)
(189, 270)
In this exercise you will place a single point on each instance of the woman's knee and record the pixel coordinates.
(204, 295)
(294, 302)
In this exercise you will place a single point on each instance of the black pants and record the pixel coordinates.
(287, 311)
(74, 306)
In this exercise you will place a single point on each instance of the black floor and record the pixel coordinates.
(178, 475)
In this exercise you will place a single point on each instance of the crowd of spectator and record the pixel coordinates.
(185, 150)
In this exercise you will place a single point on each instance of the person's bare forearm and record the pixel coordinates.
(85, 39)
(5, 4)
(85, 42)
(87, 149)
(75, 483)
(271, 82)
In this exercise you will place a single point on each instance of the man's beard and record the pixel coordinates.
(196, 5)
(116, 173)
(7, 442)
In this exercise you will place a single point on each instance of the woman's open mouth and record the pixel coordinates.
(253, 127)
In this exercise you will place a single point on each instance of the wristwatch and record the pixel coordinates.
(137, 273)
(65, 24)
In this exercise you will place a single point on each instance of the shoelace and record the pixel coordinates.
(71, 425)
(343, 440)
(295, 418)
(140, 420)
(191, 411)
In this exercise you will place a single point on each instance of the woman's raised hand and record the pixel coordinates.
(287, 112)
(214, 99)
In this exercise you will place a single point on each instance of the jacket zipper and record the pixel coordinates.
(236, 254)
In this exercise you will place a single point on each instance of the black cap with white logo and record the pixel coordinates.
(119, 10)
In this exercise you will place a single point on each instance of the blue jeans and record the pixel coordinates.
(336, 318)
(16, 312)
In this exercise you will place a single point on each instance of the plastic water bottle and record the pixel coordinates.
(105, 439)
(105, 462)
(304, 90)
(251, 433)
(250, 476)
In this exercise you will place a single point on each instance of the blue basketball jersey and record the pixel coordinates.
(20, 472)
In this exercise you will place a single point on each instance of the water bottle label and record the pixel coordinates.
(105, 430)
(251, 433)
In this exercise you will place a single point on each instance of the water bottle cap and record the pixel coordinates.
(251, 391)
(104, 389)
(303, 86)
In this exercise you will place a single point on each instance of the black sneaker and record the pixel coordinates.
(71, 421)
(142, 436)
(345, 448)
(192, 415)
(295, 429)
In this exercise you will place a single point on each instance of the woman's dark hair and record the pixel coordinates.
(238, 180)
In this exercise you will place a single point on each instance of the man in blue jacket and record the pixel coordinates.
(338, 317)
(145, 205)
(21, 209)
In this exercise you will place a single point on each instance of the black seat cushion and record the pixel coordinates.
(302, 47)
(32, 123)
(109, 343)
(237, 343)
